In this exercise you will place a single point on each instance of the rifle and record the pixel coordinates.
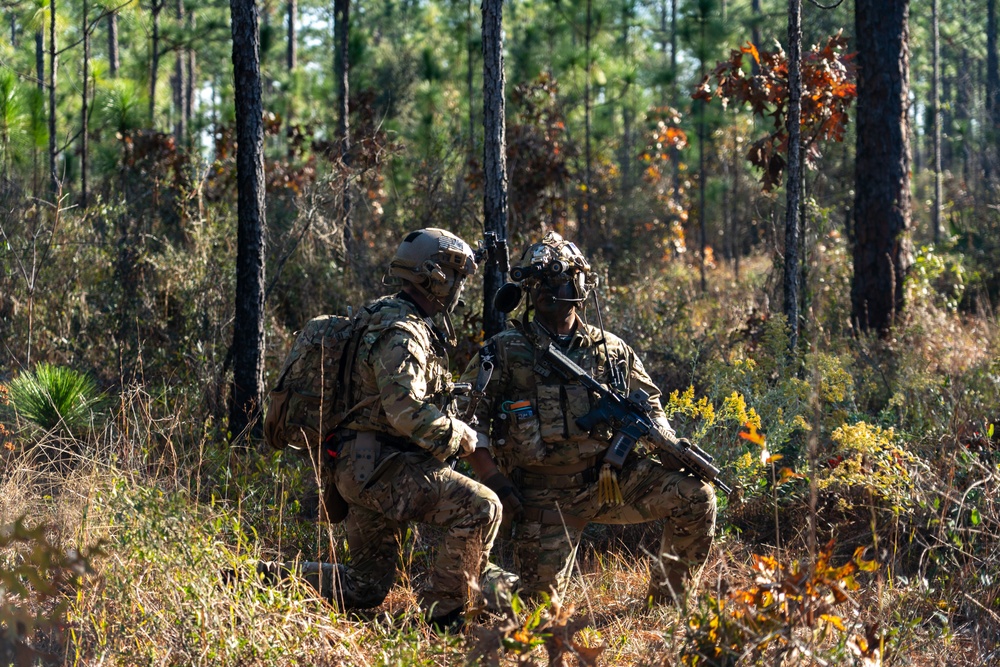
(629, 417)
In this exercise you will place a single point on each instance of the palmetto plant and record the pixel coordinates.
(55, 397)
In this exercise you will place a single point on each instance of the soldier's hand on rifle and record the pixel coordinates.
(467, 438)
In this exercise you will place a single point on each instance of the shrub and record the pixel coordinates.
(55, 397)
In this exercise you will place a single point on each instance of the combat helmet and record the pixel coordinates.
(423, 260)
(552, 260)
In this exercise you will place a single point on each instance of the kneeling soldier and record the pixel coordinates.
(553, 473)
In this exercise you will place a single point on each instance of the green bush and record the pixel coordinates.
(54, 397)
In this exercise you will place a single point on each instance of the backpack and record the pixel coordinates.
(309, 399)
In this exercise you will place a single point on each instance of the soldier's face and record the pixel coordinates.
(551, 300)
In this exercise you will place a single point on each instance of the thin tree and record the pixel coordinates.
(494, 154)
(342, 68)
(882, 195)
(992, 89)
(54, 184)
(114, 61)
(179, 87)
(292, 49)
(793, 175)
(84, 107)
(248, 325)
(936, 118)
(156, 6)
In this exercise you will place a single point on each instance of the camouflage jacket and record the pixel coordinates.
(544, 432)
(400, 384)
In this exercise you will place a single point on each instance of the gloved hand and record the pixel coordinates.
(508, 495)
(467, 438)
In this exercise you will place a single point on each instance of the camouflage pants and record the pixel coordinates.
(413, 487)
(545, 550)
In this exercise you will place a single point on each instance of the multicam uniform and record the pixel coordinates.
(390, 468)
(555, 465)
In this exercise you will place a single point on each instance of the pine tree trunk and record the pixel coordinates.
(793, 175)
(40, 59)
(248, 325)
(494, 154)
(992, 92)
(54, 184)
(84, 147)
(882, 255)
(292, 55)
(755, 32)
(469, 81)
(585, 223)
(342, 67)
(180, 119)
(114, 62)
(189, 87)
(936, 118)
(154, 60)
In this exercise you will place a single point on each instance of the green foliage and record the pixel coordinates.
(936, 278)
(37, 581)
(870, 458)
(55, 398)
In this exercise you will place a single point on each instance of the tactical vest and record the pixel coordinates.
(535, 409)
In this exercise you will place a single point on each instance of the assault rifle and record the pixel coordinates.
(629, 417)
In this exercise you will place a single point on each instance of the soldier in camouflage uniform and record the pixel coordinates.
(390, 455)
(548, 467)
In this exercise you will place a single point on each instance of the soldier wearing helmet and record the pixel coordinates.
(545, 468)
(389, 457)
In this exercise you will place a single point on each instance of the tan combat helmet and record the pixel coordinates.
(555, 259)
(437, 263)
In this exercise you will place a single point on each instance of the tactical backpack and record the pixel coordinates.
(309, 399)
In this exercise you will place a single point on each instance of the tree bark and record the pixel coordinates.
(494, 154)
(180, 118)
(154, 60)
(189, 86)
(342, 67)
(84, 147)
(54, 184)
(936, 118)
(793, 174)
(992, 91)
(882, 254)
(469, 78)
(40, 59)
(585, 223)
(114, 62)
(755, 32)
(292, 53)
(248, 326)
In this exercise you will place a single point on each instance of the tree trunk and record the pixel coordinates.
(494, 154)
(180, 119)
(755, 32)
(936, 119)
(992, 91)
(793, 175)
(189, 86)
(154, 60)
(248, 325)
(882, 255)
(84, 147)
(114, 62)
(342, 67)
(469, 81)
(40, 59)
(54, 184)
(585, 223)
(293, 39)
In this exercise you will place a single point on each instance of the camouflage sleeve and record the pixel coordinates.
(403, 376)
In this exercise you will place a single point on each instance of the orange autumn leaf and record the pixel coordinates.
(753, 435)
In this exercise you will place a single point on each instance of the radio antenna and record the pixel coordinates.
(615, 373)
